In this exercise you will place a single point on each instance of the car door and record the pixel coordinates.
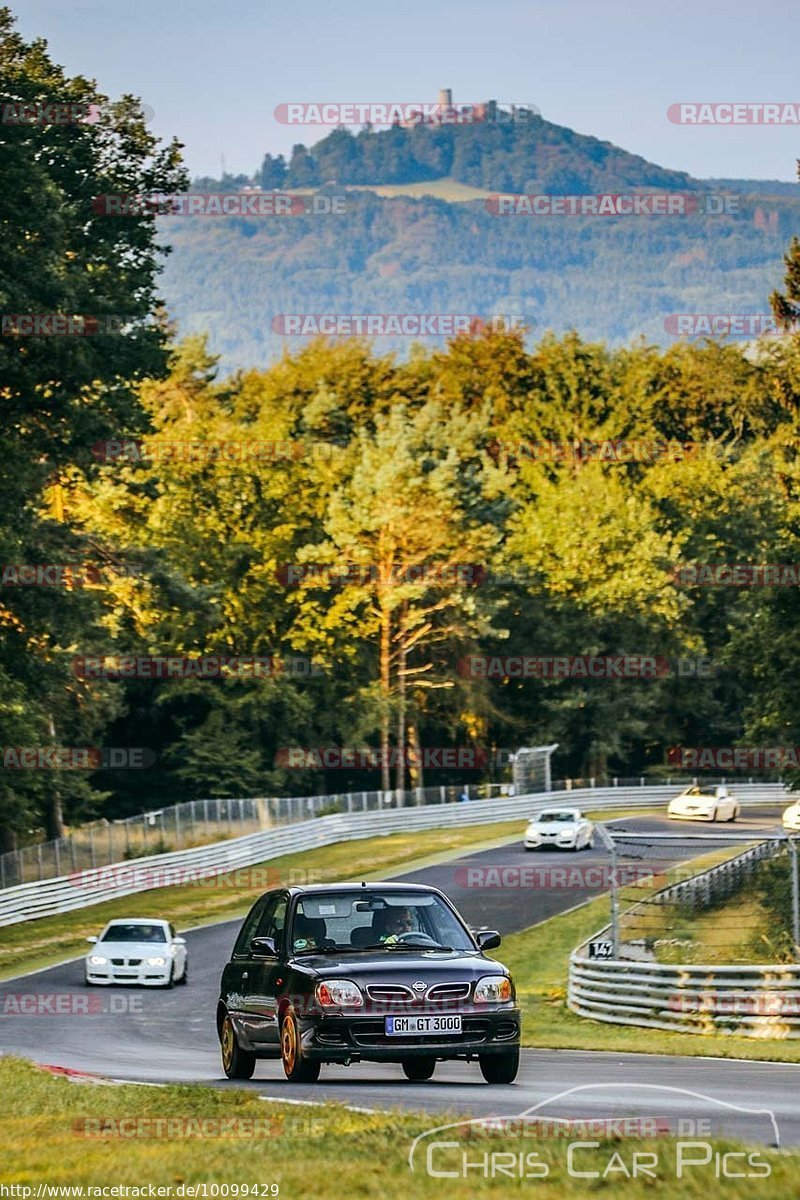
(236, 975)
(264, 971)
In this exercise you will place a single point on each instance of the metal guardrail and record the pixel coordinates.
(201, 822)
(759, 1000)
(47, 897)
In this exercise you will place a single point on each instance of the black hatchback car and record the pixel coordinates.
(379, 972)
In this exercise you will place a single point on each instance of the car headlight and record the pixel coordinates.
(338, 993)
(492, 989)
(158, 961)
(97, 960)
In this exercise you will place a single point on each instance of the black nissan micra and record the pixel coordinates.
(378, 972)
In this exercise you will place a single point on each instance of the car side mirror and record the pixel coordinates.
(264, 947)
(91, 939)
(488, 939)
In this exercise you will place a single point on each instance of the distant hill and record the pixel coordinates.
(427, 244)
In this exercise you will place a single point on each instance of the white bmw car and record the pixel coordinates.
(703, 802)
(137, 950)
(791, 818)
(562, 828)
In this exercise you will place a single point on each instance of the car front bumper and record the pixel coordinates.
(676, 815)
(538, 843)
(352, 1038)
(142, 976)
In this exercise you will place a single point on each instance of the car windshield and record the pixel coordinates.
(134, 933)
(360, 920)
(548, 818)
(695, 791)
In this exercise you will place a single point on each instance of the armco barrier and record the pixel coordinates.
(761, 1000)
(49, 896)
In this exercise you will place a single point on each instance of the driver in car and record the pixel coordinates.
(395, 921)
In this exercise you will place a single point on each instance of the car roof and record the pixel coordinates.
(358, 886)
(137, 921)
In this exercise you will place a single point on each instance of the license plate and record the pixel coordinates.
(412, 1026)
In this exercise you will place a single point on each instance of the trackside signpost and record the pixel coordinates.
(602, 947)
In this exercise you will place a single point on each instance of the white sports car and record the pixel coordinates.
(562, 828)
(137, 950)
(703, 802)
(791, 817)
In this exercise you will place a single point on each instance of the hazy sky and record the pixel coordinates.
(214, 72)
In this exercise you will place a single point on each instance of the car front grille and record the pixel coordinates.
(387, 993)
(372, 1033)
(448, 991)
(126, 962)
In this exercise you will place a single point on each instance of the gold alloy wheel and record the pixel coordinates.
(289, 1044)
(227, 1043)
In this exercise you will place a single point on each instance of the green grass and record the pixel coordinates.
(305, 1151)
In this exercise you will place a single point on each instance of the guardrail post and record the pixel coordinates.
(91, 846)
(56, 856)
(39, 859)
(795, 899)
(614, 904)
(443, 794)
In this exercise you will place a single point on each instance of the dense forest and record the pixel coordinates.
(323, 510)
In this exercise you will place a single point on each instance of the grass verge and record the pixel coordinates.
(60, 1134)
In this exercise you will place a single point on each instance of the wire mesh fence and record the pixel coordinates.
(201, 822)
(723, 904)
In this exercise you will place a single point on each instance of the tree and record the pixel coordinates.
(59, 255)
